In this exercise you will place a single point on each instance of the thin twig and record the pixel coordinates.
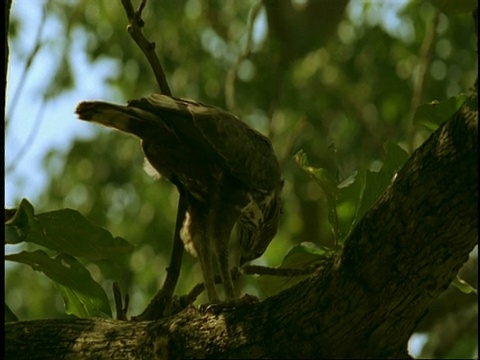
(8, 8)
(192, 295)
(17, 95)
(232, 73)
(425, 57)
(265, 270)
(173, 271)
(423, 64)
(251, 270)
(180, 303)
(117, 296)
(28, 64)
(134, 28)
(286, 153)
(161, 304)
(29, 141)
(121, 309)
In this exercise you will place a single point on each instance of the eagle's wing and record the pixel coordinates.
(248, 155)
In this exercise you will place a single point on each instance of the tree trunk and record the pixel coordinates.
(366, 303)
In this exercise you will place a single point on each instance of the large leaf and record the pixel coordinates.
(82, 295)
(322, 176)
(435, 113)
(350, 199)
(300, 256)
(377, 181)
(351, 190)
(395, 158)
(327, 182)
(66, 231)
(455, 7)
(18, 226)
(464, 286)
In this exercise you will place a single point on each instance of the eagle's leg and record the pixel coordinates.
(199, 244)
(221, 230)
(223, 264)
(205, 256)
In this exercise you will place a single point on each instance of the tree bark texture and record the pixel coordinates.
(365, 304)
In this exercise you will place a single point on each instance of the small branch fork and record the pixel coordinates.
(134, 28)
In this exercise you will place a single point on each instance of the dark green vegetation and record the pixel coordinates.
(337, 93)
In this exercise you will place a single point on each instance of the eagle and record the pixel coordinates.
(227, 172)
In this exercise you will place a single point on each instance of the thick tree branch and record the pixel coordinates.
(366, 303)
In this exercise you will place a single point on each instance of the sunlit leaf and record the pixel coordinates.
(395, 158)
(351, 190)
(300, 256)
(82, 295)
(9, 314)
(348, 181)
(376, 182)
(305, 253)
(464, 286)
(66, 231)
(17, 228)
(69, 231)
(434, 114)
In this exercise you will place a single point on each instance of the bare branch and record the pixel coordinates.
(121, 309)
(148, 48)
(266, 270)
(232, 73)
(161, 304)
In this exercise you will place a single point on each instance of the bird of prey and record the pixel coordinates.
(227, 172)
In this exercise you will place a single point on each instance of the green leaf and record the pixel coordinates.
(376, 182)
(9, 314)
(305, 253)
(464, 286)
(374, 186)
(349, 200)
(454, 7)
(82, 295)
(328, 184)
(348, 181)
(322, 176)
(351, 190)
(395, 158)
(433, 114)
(66, 231)
(17, 228)
(299, 256)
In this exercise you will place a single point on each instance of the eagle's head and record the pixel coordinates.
(254, 240)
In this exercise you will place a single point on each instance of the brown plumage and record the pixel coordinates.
(227, 172)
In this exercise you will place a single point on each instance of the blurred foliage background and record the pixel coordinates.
(334, 78)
